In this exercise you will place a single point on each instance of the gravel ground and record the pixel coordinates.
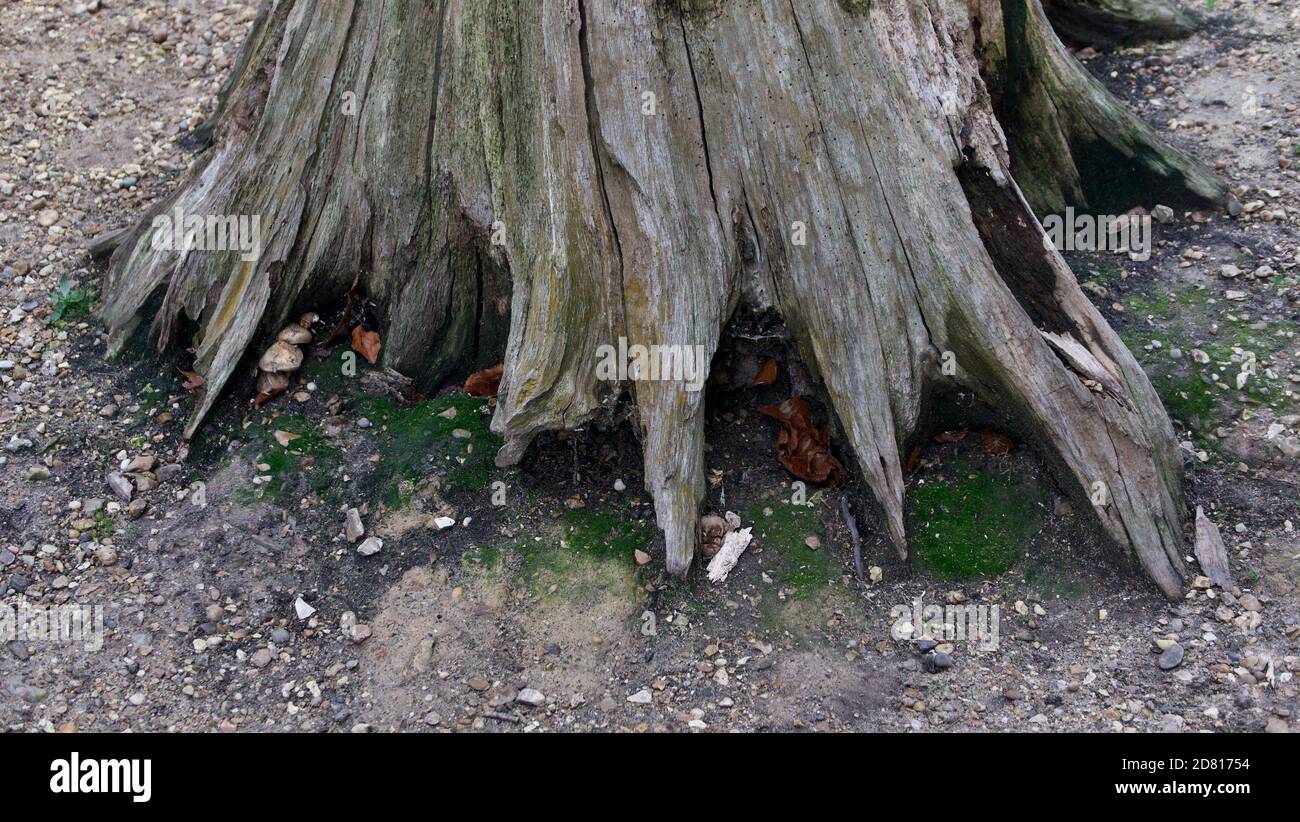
(233, 599)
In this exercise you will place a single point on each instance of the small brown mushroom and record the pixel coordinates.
(294, 334)
(270, 385)
(281, 358)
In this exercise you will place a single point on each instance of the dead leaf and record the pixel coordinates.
(366, 343)
(193, 381)
(951, 436)
(286, 437)
(803, 450)
(767, 374)
(913, 458)
(485, 383)
(994, 443)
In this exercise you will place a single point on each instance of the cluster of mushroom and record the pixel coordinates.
(283, 358)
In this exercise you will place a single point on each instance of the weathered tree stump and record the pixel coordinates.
(646, 167)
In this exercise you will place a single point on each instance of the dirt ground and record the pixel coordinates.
(233, 600)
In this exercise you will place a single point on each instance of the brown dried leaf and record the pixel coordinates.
(767, 374)
(951, 436)
(286, 437)
(193, 381)
(485, 383)
(803, 450)
(994, 443)
(366, 343)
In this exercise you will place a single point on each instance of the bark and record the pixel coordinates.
(1110, 23)
(878, 127)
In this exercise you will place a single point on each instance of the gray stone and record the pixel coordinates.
(352, 527)
(120, 486)
(1171, 658)
(532, 696)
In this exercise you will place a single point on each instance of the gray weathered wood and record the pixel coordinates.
(1211, 552)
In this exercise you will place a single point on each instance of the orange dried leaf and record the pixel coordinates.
(913, 458)
(193, 381)
(767, 374)
(951, 436)
(366, 343)
(994, 443)
(485, 383)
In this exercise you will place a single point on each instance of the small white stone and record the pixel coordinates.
(302, 609)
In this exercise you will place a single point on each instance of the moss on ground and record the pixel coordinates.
(587, 550)
(974, 525)
(308, 465)
(1204, 396)
(782, 528)
(416, 440)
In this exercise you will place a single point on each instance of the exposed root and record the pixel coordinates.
(1072, 143)
(1106, 23)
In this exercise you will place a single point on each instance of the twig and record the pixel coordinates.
(501, 717)
(853, 532)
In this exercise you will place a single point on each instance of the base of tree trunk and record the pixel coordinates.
(555, 177)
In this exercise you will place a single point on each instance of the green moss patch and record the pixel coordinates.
(307, 466)
(782, 530)
(585, 552)
(416, 440)
(973, 525)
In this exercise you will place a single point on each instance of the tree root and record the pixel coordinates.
(1108, 23)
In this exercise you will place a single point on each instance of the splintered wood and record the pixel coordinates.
(733, 545)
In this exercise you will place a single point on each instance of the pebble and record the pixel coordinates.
(641, 697)
(120, 486)
(531, 696)
(1171, 657)
(353, 529)
(302, 609)
(370, 547)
